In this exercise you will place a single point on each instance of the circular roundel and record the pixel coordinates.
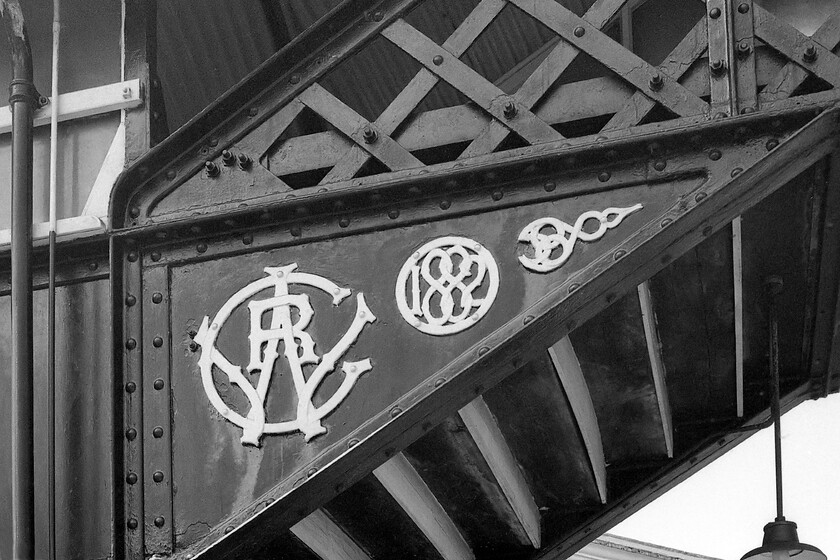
(447, 285)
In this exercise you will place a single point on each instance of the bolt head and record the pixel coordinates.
(509, 110)
(369, 135)
(656, 82)
(810, 54)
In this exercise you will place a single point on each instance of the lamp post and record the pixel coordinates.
(780, 538)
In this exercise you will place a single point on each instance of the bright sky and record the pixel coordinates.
(721, 511)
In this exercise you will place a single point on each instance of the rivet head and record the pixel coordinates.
(394, 214)
(344, 222)
(157, 297)
(735, 172)
(550, 186)
(252, 112)
(747, 110)
(497, 195)
(619, 254)
(439, 381)
(201, 247)
(353, 442)
(131, 524)
(396, 411)
(743, 8)
(134, 212)
(130, 387)
(132, 256)
(130, 434)
(158, 384)
(158, 476)
(666, 222)
(437, 60)
(130, 344)
(155, 256)
(158, 432)
(445, 204)
(130, 300)
(714, 155)
(483, 350)
(247, 239)
(580, 31)
(295, 78)
(159, 521)
(771, 144)
(228, 529)
(714, 13)
(295, 231)
(699, 196)
(157, 342)
(573, 287)
(659, 165)
(131, 478)
(604, 176)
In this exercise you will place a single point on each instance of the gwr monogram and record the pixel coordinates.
(298, 350)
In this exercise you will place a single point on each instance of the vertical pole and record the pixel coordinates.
(51, 304)
(774, 288)
(23, 100)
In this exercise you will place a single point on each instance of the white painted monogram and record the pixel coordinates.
(298, 348)
(439, 287)
(565, 236)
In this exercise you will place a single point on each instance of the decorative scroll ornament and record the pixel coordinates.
(290, 315)
(565, 236)
(447, 285)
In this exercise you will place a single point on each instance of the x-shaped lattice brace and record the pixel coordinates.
(515, 113)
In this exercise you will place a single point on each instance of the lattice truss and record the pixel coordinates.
(737, 58)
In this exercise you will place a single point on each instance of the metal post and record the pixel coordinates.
(774, 288)
(23, 100)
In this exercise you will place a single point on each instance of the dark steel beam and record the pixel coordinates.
(23, 100)
(737, 180)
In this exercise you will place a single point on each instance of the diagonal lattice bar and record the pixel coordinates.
(785, 82)
(506, 109)
(795, 46)
(676, 64)
(423, 82)
(349, 122)
(546, 74)
(602, 48)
